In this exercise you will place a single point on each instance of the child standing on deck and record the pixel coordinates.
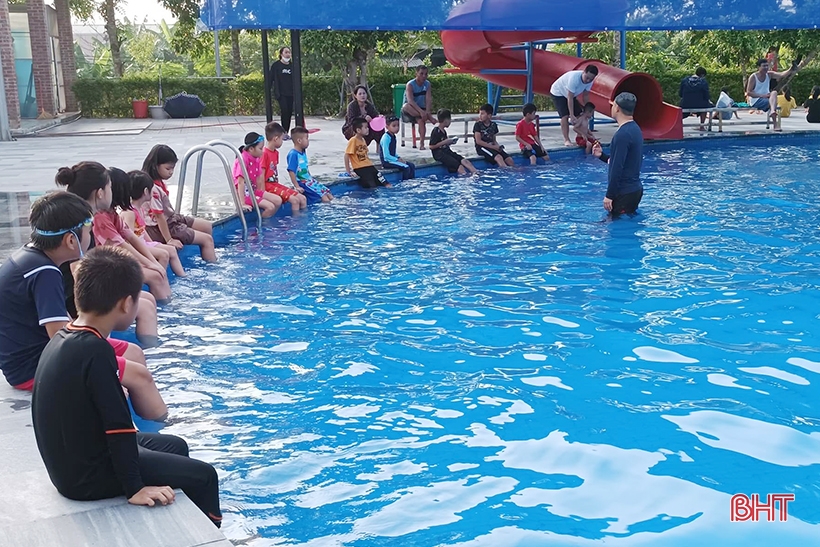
(129, 196)
(387, 151)
(298, 168)
(440, 146)
(357, 162)
(165, 225)
(251, 157)
(486, 145)
(583, 136)
(274, 133)
(527, 136)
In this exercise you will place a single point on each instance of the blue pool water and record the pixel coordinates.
(486, 362)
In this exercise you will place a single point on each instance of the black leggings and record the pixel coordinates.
(369, 177)
(164, 461)
(286, 110)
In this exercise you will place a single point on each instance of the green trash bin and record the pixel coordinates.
(398, 98)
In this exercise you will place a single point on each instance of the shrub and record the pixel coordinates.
(111, 98)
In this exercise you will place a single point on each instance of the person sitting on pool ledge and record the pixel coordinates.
(81, 419)
(624, 191)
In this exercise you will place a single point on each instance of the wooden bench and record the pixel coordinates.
(717, 113)
(468, 120)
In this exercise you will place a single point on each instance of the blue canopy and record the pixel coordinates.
(547, 15)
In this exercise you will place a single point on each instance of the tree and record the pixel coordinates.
(236, 54)
(346, 51)
(408, 45)
(108, 9)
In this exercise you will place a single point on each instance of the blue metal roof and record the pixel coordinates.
(547, 15)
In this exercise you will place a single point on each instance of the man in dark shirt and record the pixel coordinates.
(81, 419)
(31, 285)
(624, 191)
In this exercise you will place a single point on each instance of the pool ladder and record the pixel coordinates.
(201, 150)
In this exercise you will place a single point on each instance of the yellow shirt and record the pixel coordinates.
(786, 106)
(357, 150)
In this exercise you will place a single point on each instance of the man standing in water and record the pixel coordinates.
(624, 191)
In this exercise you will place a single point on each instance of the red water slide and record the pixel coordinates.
(473, 51)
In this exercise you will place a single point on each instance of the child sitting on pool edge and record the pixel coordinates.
(583, 136)
(165, 225)
(251, 157)
(357, 162)
(440, 146)
(486, 145)
(298, 168)
(527, 136)
(387, 151)
(275, 136)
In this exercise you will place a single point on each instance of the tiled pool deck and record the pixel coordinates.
(32, 513)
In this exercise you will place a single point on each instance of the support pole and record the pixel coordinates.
(267, 77)
(623, 49)
(216, 55)
(579, 49)
(5, 131)
(296, 51)
(528, 94)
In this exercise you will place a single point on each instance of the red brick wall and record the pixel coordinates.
(69, 65)
(9, 75)
(41, 56)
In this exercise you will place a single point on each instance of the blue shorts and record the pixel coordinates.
(314, 190)
(761, 103)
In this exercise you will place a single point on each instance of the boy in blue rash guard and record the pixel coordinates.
(389, 157)
(624, 190)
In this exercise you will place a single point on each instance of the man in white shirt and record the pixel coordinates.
(565, 92)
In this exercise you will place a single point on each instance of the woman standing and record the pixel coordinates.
(360, 107)
(282, 80)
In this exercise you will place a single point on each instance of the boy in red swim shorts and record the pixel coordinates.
(274, 136)
(583, 136)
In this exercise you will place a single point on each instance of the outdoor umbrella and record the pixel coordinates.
(183, 105)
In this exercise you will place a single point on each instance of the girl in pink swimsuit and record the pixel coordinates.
(123, 189)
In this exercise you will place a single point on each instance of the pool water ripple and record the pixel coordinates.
(486, 361)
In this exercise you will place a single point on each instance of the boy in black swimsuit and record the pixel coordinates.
(83, 427)
(486, 145)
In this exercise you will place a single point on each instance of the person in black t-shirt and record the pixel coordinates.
(81, 419)
(440, 146)
(484, 131)
(282, 82)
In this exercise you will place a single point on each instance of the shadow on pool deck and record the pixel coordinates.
(34, 514)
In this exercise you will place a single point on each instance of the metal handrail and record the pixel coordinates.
(238, 154)
(181, 184)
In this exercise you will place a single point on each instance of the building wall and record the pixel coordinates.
(9, 73)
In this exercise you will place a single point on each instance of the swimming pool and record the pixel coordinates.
(485, 362)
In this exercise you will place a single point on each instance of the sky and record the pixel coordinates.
(136, 10)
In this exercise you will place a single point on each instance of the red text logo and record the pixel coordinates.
(774, 507)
